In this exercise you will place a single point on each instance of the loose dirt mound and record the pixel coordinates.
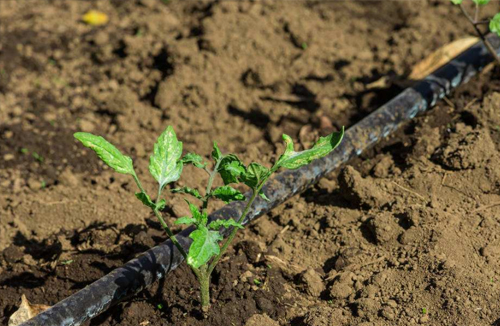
(408, 234)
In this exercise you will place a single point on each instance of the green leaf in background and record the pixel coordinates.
(457, 2)
(185, 220)
(107, 152)
(227, 194)
(195, 159)
(255, 174)
(216, 154)
(217, 224)
(187, 190)
(495, 24)
(204, 246)
(145, 199)
(201, 218)
(164, 164)
(480, 2)
(230, 169)
(294, 160)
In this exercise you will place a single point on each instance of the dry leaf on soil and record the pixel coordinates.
(440, 57)
(26, 311)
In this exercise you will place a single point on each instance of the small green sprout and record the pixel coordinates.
(159, 306)
(257, 282)
(37, 157)
(330, 301)
(476, 22)
(67, 262)
(43, 184)
(424, 311)
(166, 166)
(304, 46)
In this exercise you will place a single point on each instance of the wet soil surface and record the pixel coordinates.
(407, 234)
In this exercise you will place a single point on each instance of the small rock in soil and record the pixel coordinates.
(359, 191)
(366, 307)
(13, 254)
(342, 287)
(67, 178)
(490, 250)
(412, 235)
(325, 316)
(388, 313)
(466, 149)
(382, 168)
(144, 239)
(261, 320)
(266, 228)
(265, 304)
(252, 249)
(314, 283)
(179, 207)
(383, 227)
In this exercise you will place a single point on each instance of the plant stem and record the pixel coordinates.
(170, 233)
(487, 43)
(210, 183)
(160, 218)
(233, 232)
(204, 280)
(203, 274)
(476, 13)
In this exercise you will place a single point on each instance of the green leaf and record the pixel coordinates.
(107, 152)
(201, 218)
(457, 2)
(481, 2)
(255, 175)
(294, 160)
(195, 159)
(185, 220)
(187, 190)
(263, 196)
(164, 164)
(230, 168)
(216, 154)
(145, 199)
(161, 205)
(204, 246)
(217, 224)
(227, 194)
(495, 24)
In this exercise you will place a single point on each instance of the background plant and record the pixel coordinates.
(475, 20)
(166, 165)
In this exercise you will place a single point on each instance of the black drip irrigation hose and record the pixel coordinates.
(155, 263)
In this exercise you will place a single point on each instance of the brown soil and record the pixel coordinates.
(407, 234)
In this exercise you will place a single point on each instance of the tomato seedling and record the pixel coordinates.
(493, 24)
(166, 165)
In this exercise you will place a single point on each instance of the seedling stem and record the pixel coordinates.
(494, 24)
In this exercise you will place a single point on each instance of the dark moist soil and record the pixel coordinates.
(407, 234)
